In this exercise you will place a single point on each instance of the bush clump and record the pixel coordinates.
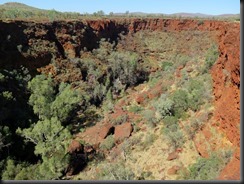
(195, 96)
(164, 106)
(207, 168)
(180, 102)
(211, 57)
(116, 171)
(108, 143)
(174, 135)
(149, 116)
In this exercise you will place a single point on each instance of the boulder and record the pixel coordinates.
(75, 147)
(173, 155)
(173, 170)
(96, 134)
(122, 131)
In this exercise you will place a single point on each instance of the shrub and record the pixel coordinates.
(149, 115)
(211, 57)
(195, 97)
(99, 92)
(120, 119)
(180, 102)
(182, 59)
(170, 120)
(108, 106)
(145, 174)
(47, 102)
(116, 171)
(108, 143)
(65, 103)
(135, 108)
(2, 77)
(11, 170)
(42, 94)
(205, 168)
(118, 86)
(166, 65)
(200, 22)
(164, 106)
(194, 126)
(174, 135)
(148, 141)
(125, 67)
(104, 50)
(49, 136)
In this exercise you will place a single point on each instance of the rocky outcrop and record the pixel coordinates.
(96, 134)
(75, 146)
(226, 80)
(122, 131)
(35, 44)
(78, 158)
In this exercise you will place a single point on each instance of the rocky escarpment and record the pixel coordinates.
(35, 45)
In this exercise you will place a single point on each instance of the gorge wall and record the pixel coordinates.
(33, 45)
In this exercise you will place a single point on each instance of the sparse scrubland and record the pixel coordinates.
(139, 100)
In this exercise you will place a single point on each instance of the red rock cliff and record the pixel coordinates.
(70, 37)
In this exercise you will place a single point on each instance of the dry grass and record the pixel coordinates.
(146, 151)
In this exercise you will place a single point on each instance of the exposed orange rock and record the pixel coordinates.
(96, 134)
(173, 155)
(122, 131)
(55, 36)
(75, 146)
(173, 170)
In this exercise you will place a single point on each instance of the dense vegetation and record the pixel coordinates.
(46, 109)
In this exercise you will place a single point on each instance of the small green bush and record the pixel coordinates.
(148, 141)
(180, 102)
(126, 68)
(174, 135)
(120, 119)
(195, 125)
(170, 120)
(195, 97)
(116, 171)
(200, 22)
(99, 92)
(149, 115)
(166, 65)
(108, 143)
(205, 168)
(135, 108)
(164, 106)
(211, 57)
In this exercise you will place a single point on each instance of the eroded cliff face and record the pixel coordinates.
(35, 44)
(226, 78)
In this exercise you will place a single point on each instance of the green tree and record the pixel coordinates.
(51, 140)
(65, 102)
(49, 136)
(42, 95)
(54, 105)
(11, 170)
(48, 102)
